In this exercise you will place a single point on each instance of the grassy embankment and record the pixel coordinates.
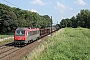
(2, 36)
(66, 44)
(5, 35)
(6, 41)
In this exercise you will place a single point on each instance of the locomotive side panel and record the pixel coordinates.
(33, 35)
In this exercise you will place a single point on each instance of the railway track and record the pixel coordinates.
(10, 52)
(7, 49)
(2, 47)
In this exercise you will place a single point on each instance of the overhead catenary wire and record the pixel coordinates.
(10, 3)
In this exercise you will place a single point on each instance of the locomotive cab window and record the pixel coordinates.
(20, 32)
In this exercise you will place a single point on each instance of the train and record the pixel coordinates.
(28, 35)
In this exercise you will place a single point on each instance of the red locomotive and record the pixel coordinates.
(26, 35)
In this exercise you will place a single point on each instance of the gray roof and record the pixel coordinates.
(21, 28)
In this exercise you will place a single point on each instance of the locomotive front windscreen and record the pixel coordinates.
(20, 32)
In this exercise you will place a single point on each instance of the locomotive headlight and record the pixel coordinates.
(14, 37)
(23, 38)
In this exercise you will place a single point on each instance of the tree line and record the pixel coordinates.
(12, 17)
(82, 19)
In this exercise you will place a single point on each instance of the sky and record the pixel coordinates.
(58, 9)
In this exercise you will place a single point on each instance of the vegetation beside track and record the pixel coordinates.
(6, 38)
(66, 44)
(6, 41)
(5, 35)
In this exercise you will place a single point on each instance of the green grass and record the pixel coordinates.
(66, 44)
(6, 35)
(6, 41)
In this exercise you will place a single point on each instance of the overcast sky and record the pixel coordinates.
(58, 9)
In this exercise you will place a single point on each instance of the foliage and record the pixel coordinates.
(7, 18)
(67, 44)
(11, 18)
(82, 19)
(5, 35)
(6, 41)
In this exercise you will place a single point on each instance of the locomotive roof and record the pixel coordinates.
(21, 28)
(27, 28)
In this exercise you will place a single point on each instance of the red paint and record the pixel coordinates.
(19, 37)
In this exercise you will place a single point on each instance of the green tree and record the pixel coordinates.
(74, 22)
(7, 18)
(82, 19)
(11, 18)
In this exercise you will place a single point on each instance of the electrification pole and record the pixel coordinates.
(51, 25)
